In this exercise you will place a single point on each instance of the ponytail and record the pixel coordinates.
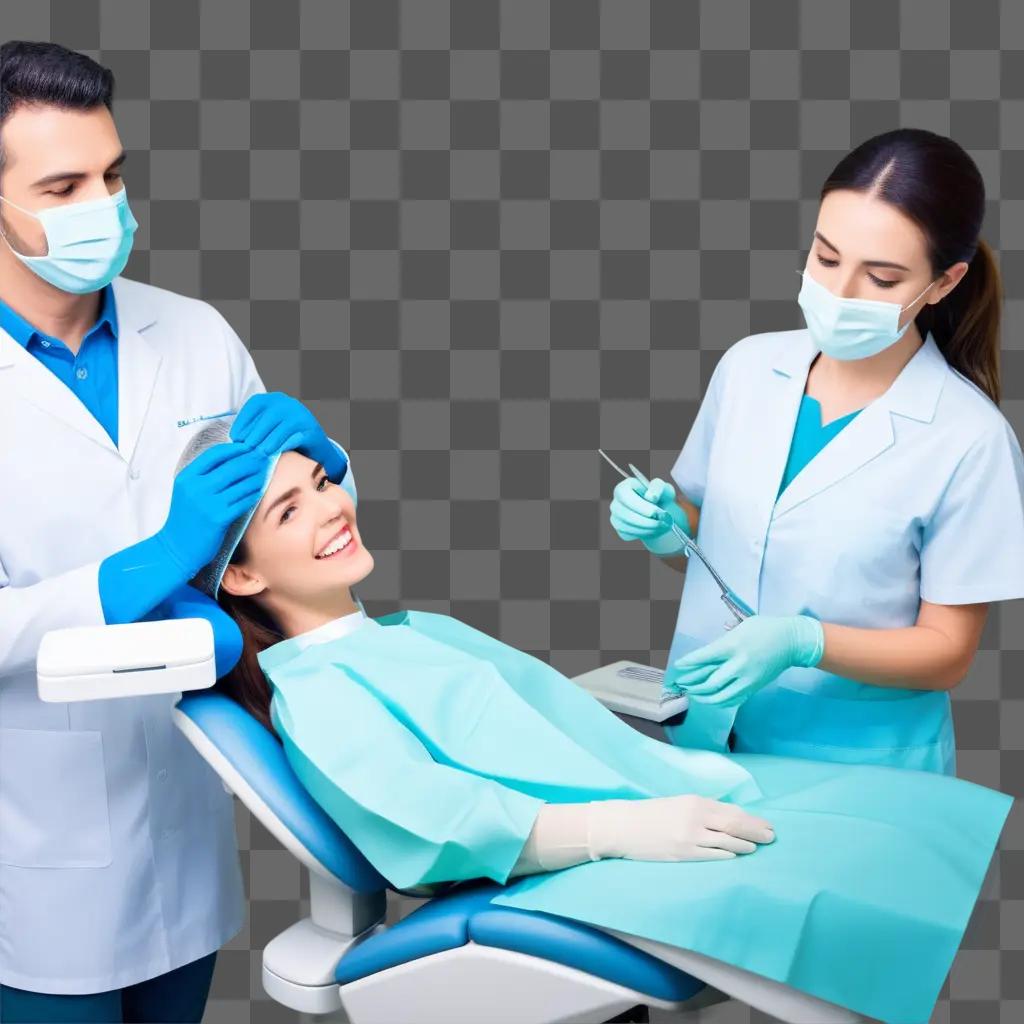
(966, 323)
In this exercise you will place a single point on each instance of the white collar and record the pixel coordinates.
(331, 630)
(915, 391)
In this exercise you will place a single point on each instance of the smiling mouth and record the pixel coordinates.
(343, 543)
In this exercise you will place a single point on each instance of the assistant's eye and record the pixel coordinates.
(881, 284)
(325, 479)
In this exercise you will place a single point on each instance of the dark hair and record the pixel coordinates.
(935, 183)
(246, 683)
(48, 73)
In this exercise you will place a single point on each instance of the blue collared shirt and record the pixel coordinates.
(91, 374)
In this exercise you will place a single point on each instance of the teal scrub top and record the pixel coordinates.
(809, 437)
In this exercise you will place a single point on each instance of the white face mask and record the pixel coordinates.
(850, 328)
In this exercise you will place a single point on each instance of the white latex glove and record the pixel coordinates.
(557, 840)
(687, 827)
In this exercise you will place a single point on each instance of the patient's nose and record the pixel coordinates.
(334, 505)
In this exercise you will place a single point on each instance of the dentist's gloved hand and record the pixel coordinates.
(185, 602)
(209, 494)
(275, 422)
(644, 514)
(731, 669)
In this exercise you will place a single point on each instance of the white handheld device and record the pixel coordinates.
(125, 660)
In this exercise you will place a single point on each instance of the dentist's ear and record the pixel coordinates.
(239, 582)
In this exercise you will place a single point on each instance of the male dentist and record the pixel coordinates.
(119, 873)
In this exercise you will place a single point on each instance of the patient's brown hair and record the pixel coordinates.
(246, 683)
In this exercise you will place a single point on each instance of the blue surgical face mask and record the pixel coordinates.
(88, 243)
(850, 328)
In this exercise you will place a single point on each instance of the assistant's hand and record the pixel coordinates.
(734, 667)
(645, 513)
(275, 422)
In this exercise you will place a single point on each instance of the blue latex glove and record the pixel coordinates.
(731, 669)
(208, 495)
(275, 422)
(645, 514)
(185, 602)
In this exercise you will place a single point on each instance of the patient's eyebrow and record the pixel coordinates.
(290, 493)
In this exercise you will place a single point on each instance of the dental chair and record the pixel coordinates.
(456, 958)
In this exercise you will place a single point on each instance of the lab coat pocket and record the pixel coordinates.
(53, 799)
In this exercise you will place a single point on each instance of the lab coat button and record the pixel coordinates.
(166, 834)
(162, 774)
(134, 473)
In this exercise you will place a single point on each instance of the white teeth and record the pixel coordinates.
(342, 541)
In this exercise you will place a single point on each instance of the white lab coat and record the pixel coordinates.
(118, 855)
(920, 496)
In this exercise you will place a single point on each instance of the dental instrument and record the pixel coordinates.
(739, 608)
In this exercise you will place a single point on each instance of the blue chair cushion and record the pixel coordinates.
(441, 924)
(259, 758)
(578, 945)
(467, 915)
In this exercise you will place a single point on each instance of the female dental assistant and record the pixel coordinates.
(854, 482)
(119, 872)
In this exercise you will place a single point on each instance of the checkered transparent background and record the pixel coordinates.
(480, 239)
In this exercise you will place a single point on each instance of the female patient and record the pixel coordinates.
(446, 755)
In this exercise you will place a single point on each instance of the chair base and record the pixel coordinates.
(319, 999)
(474, 983)
(299, 966)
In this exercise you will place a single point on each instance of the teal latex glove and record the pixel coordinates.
(731, 669)
(645, 513)
(275, 422)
